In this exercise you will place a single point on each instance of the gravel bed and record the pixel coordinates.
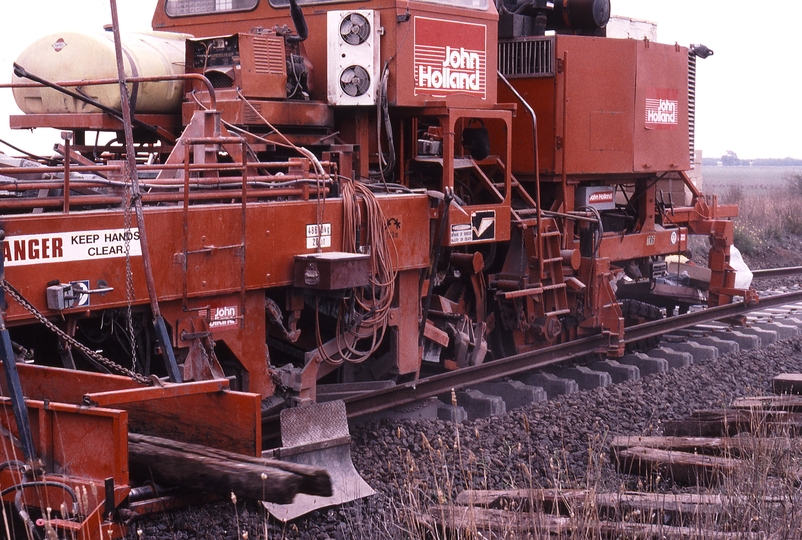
(562, 442)
(775, 285)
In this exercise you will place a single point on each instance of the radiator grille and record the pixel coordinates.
(692, 105)
(528, 57)
(219, 79)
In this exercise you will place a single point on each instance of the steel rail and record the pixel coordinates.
(777, 272)
(406, 393)
(660, 327)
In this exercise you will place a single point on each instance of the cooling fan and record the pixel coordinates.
(355, 81)
(352, 54)
(355, 29)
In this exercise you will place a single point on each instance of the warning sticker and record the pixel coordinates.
(461, 234)
(481, 228)
(27, 249)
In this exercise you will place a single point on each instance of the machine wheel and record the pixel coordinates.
(637, 312)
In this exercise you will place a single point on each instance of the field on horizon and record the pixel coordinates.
(749, 180)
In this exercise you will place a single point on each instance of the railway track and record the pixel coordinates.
(404, 394)
(559, 427)
(777, 272)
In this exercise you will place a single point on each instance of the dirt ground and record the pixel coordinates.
(771, 254)
(778, 253)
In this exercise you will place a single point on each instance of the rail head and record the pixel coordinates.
(403, 394)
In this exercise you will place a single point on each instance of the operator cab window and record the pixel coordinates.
(286, 3)
(180, 8)
(471, 4)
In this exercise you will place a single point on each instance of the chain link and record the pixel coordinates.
(100, 359)
(129, 274)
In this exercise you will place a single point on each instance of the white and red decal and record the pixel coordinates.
(223, 316)
(59, 45)
(26, 249)
(450, 58)
(601, 197)
(662, 108)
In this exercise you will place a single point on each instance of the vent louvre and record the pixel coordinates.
(268, 55)
(527, 57)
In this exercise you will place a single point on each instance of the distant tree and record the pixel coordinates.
(730, 159)
(778, 162)
(709, 162)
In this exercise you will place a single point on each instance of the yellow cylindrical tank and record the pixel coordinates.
(69, 56)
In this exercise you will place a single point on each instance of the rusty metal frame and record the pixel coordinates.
(80, 424)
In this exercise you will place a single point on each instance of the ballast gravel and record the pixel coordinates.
(560, 443)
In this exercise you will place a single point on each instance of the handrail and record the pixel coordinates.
(155, 167)
(532, 113)
(210, 188)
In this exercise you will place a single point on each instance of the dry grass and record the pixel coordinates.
(761, 500)
(768, 212)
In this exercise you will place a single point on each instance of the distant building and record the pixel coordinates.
(627, 27)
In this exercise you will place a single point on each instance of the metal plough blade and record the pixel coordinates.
(318, 435)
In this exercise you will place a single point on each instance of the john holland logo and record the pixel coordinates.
(450, 58)
(662, 108)
(601, 197)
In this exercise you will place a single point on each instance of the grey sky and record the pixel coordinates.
(747, 92)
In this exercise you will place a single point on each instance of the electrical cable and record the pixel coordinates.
(368, 316)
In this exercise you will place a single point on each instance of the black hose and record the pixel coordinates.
(22, 73)
(20, 507)
(19, 465)
(438, 245)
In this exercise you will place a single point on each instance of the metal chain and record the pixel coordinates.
(100, 359)
(129, 274)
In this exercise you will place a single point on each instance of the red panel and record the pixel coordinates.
(661, 142)
(622, 248)
(198, 413)
(230, 421)
(592, 115)
(397, 43)
(539, 92)
(595, 96)
(65, 385)
(76, 441)
(275, 233)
